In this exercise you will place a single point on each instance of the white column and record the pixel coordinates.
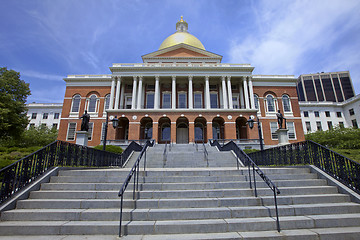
(241, 95)
(133, 98)
(229, 92)
(190, 92)
(157, 93)
(122, 96)
(118, 85)
(112, 93)
(246, 93)
(223, 86)
(251, 93)
(139, 93)
(173, 92)
(207, 93)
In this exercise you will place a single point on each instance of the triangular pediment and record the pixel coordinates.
(182, 51)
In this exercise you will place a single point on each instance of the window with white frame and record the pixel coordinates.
(273, 128)
(166, 100)
(150, 100)
(33, 115)
(76, 103)
(318, 126)
(107, 102)
(128, 102)
(92, 103)
(291, 127)
(56, 115)
(270, 103)
(71, 132)
(256, 101)
(286, 103)
(308, 126)
(235, 101)
(197, 100)
(213, 100)
(182, 100)
(45, 115)
(90, 131)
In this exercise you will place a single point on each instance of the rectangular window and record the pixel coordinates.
(150, 100)
(198, 100)
(235, 102)
(32, 125)
(213, 87)
(45, 115)
(308, 126)
(151, 87)
(330, 125)
(55, 125)
(33, 115)
(71, 131)
(182, 100)
(291, 132)
(341, 124)
(351, 111)
(306, 114)
(309, 89)
(274, 127)
(338, 114)
(327, 113)
(166, 100)
(213, 100)
(354, 123)
(317, 114)
(328, 88)
(128, 102)
(90, 131)
(318, 126)
(43, 125)
(56, 115)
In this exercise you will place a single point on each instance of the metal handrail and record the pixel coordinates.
(251, 164)
(165, 153)
(134, 171)
(206, 154)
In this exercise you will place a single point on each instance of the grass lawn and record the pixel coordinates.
(353, 154)
(11, 155)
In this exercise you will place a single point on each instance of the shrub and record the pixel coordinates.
(110, 148)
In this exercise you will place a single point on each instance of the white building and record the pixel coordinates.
(45, 114)
(325, 115)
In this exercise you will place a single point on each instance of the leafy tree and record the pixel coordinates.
(13, 94)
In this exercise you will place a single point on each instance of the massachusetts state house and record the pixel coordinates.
(181, 93)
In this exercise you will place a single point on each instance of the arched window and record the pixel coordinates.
(286, 103)
(92, 103)
(216, 130)
(199, 131)
(270, 103)
(76, 103)
(148, 131)
(107, 102)
(165, 132)
(256, 101)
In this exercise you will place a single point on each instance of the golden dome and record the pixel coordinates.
(181, 36)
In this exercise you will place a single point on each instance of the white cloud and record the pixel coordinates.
(288, 33)
(38, 75)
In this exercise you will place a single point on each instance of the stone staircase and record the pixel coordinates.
(189, 201)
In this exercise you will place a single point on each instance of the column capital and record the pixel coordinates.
(157, 77)
(249, 78)
(135, 77)
(228, 77)
(207, 77)
(113, 78)
(190, 77)
(173, 77)
(140, 77)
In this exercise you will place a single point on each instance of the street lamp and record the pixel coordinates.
(115, 123)
(251, 125)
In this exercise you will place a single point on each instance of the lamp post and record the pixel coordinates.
(115, 123)
(251, 125)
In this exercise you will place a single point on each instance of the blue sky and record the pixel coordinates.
(46, 40)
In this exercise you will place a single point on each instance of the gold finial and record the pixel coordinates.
(181, 20)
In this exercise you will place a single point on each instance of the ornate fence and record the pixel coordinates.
(308, 152)
(19, 174)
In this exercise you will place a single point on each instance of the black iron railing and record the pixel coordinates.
(206, 154)
(247, 161)
(19, 174)
(308, 152)
(134, 172)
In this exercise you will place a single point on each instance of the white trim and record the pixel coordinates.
(67, 133)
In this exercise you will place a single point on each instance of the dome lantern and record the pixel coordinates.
(181, 26)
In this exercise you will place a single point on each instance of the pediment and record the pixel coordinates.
(182, 51)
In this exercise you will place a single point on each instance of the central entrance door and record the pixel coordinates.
(182, 133)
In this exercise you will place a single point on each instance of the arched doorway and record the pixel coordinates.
(146, 127)
(241, 128)
(182, 130)
(218, 128)
(122, 131)
(164, 133)
(200, 129)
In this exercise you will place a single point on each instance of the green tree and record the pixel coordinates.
(13, 94)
